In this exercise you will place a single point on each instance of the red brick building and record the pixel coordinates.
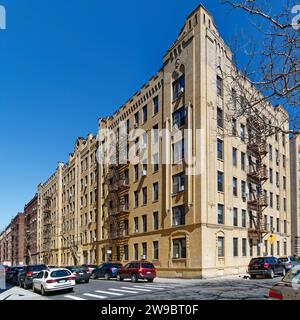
(30, 232)
(17, 231)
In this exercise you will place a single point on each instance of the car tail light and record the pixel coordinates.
(51, 281)
(29, 274)
(275, 294)
(266, 265)
(72, 278)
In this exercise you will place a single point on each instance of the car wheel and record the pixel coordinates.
(150, 280)
(70, 290)
(94, 277)
(20, 284)
(271, 274)
(33, 289)
(253, 276)
(134, 278)
(119, 278)
(107, 276)
(86, 281)
(43, 292)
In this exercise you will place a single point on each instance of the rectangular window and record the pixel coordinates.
(266, 247)
(144, 191)
(235, 247)
(243, 161)
(136, 119)
(284, 248)
(145, 114)
(220, 181)
(136, 251)
(271, 175)
(278, 248)
(178, 151)
(144, 219)
(220, 214)
(179, 118)
(235, 217)
(155, 220)
(234, 157)
(242, 132)
(284, 183)
(220, 149)
(136, 225)
(271, 199)
(126, 252)
(126, 227)
(251, 247)
(136, 172)
(244, 218)
(243, 189)
(219, 86)
(155, 250)
(277, 225)
(234, 186)
(179, 248)
(155, 162)
(234, 99)
(155, 191)
(234, 127)
(136, 199)
(220, 120)
(271, 224)
(270, 152)
(178, 87)
(179, 216)
(244, 247)
(284, 204)
(155, 105)
(285, 226)
(178, 183)
(220, 247)
(144, 250)
(118, 253)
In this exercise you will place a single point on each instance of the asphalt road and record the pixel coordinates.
(233, 288)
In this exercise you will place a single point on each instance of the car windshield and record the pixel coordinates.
(293, 276)
(59, 273)
(147, 265)
(283, 259)
(257, 260)
(37, 268)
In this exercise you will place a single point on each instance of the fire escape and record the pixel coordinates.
(117, 202)
(28, 240)
(47, 223)
(257, 176)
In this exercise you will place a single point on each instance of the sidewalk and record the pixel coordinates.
(16, 293)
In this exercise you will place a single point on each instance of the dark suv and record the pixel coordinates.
(107, 270)
(137, 270)
(266, 266)
(28, 274)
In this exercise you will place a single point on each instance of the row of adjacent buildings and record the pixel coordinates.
(188, 225)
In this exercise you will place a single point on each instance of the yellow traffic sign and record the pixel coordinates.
(271, 239)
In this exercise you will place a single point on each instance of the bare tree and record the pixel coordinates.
(271, 73)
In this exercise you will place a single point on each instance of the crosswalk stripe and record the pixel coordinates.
(157, 287)
(146, 290)
(126, 291)
(146, 287)
(111, 293)
(74, 298)
(94, 296)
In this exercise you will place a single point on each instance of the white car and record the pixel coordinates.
(54, 280)
(288, 288)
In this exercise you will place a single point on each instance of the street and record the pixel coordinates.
(229, 288)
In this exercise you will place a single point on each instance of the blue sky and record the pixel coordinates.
(64, 63)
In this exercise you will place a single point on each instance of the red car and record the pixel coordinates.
(136, 270)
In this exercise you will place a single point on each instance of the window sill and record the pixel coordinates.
(177, 193)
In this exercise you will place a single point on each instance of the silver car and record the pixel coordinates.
(289, 262)
(288, 288)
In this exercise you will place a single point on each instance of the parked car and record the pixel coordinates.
(54, 280)
(12, 274)
(106, 270)
(265, 266)
(289, 262)
(28, 274)
(80, 274)
(288, 288)
(89, 267)
(136, 270)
